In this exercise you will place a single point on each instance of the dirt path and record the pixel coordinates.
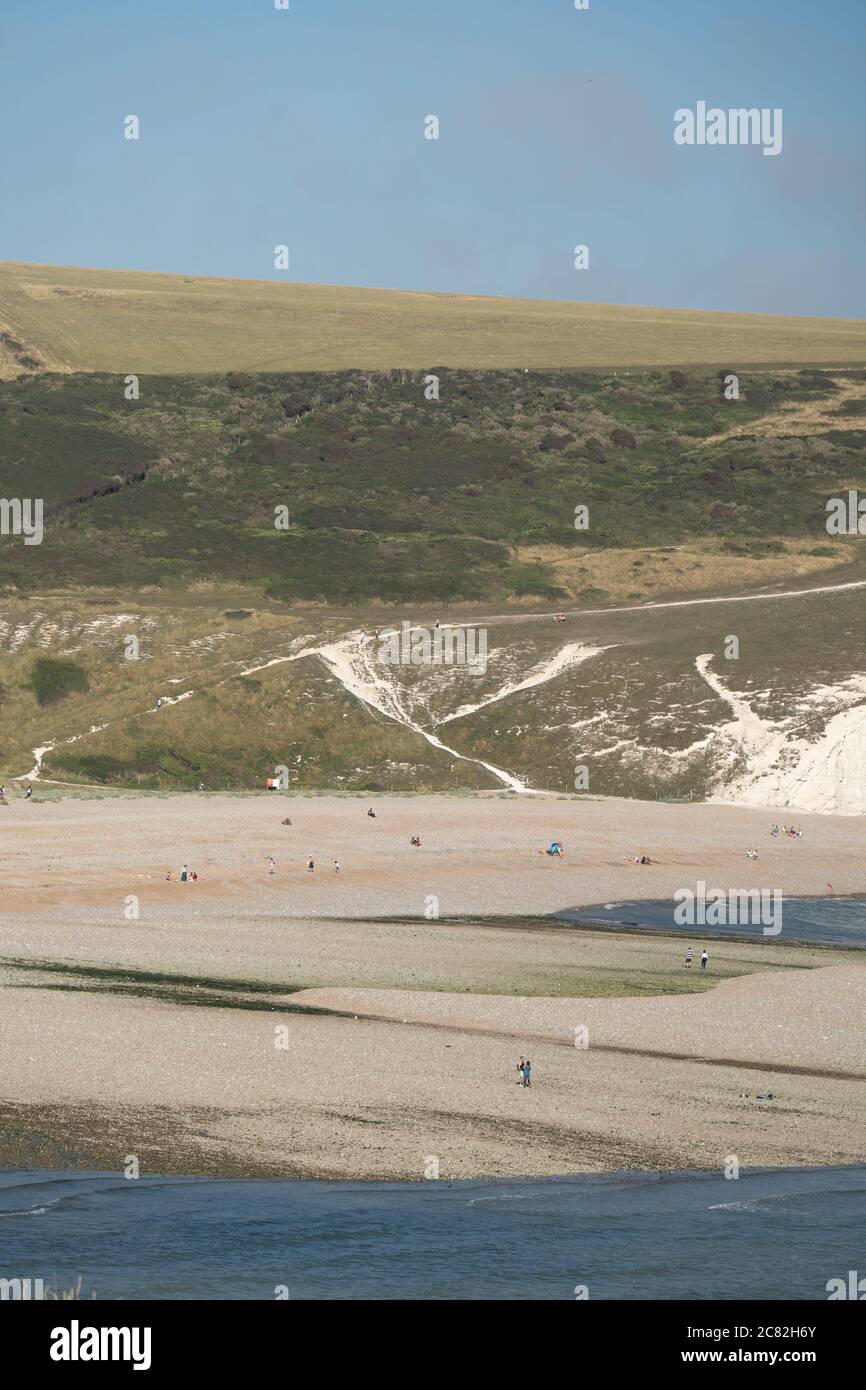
(812, 417)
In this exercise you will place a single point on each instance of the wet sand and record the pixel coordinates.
(89, 1080)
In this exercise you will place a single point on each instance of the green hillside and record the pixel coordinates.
(244, 691)
(390, 498)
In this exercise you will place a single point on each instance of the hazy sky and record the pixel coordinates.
(306, 127)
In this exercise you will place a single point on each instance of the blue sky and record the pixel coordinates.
(306, 127)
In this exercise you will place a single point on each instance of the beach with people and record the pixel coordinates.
(480, 853)
(350, 1023)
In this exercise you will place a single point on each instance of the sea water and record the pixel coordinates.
(780, 1234)
(819, 921)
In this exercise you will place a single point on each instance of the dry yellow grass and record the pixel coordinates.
(807, 417)
(75, 319)
(653, 573)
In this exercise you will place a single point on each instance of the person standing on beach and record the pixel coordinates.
(689, 959)
(311, 867)
(272, 863)
(704, 959)
(527, 1073)
(520, 1065)
(184, 873)
(336, 866)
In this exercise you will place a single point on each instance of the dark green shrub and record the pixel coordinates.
(52, 680)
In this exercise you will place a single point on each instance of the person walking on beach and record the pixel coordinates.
(28, 793)
(311, 867)
(704, 959)
(527, 1073)
(336, 866)
(272, 863)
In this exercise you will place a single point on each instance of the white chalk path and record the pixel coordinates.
(685, 602)
(827, 776)
(39, 753)
(367, 680)
(572, 654)
(35, 773)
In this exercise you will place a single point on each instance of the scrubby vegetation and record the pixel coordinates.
(354, 487)
(638, 714)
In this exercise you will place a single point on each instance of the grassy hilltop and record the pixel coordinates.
(60, 318)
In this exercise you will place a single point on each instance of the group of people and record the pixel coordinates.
(704, 958)
(187, 875)
(524, 1067)
(790, 830)
(27, 795)
(311, 862)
